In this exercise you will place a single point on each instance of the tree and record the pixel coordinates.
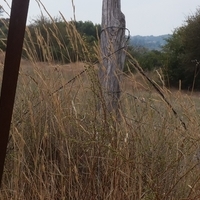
(63, 41)
(182, 54)
(112, 54)
(191, 39)
(174, 51)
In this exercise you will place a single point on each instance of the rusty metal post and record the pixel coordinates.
(19, 10)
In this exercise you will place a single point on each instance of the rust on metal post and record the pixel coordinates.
(19, 10)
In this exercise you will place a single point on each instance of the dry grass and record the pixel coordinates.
(62, 147)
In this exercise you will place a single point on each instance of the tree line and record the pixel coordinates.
(61, 39)
(73, 41)
(179, 58)
(182, 54)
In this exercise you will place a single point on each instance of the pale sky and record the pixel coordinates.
(143, 17)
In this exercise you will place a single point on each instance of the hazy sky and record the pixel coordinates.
(143, 17)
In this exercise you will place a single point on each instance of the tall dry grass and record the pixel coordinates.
(62, 147)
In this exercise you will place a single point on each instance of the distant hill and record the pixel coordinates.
(149, 42)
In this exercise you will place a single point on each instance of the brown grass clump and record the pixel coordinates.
(62, 147)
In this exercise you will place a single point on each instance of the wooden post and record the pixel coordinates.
(15, 39)
(112, 52)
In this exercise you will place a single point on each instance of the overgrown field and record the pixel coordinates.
(62, 146)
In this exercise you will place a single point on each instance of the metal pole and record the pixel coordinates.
(19, 10)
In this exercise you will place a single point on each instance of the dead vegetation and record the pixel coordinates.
(62, 147)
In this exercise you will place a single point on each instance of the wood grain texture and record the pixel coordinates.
(112, 52)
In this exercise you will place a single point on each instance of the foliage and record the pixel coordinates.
(182, 54)
(88, 29)
(61, 39)
(174, 52)
(148, 59)
(151, 60)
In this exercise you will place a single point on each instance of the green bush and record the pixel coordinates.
(148, 59)
(182, 55)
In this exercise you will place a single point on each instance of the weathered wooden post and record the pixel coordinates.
(112, 52)
(15, 39)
